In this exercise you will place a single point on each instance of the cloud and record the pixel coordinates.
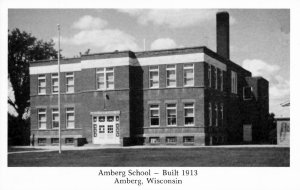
(89, 22)
(260, 68)
(279, 87)
(174, 18)
(163, 43)
(94, 35)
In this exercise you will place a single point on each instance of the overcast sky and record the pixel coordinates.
(259, 39)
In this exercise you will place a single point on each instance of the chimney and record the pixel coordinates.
(223, 34)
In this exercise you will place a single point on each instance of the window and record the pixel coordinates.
(216, 78)
(42, 141)
(110, 129)
(247, 93)
(217, 114)
(70, 82)
(69, 140)
(105, 78)
(188, 74)
(42, 119)
(101, 129)
(54, 140)
(154, 140)
(209, 75)
(171, 114)
(221, 78)
(55, 118)
(153, 77)
(154, 115)
(210, 114)
(54, 82)
(70, 118)
(42, 84)
(171, 140)
(233, 82)
(222, 112)
(188, 139)
(171, 75)
(189, 114)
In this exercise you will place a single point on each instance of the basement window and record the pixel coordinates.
(69, 140)
(188, 140)
(54, 140)
(41, 141)
(171, 140)
(154, 140)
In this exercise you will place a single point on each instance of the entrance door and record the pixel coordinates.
(247, 133)
(106, 129)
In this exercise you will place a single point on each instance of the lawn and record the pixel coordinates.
(194, 157)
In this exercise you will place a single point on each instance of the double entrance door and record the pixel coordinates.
(106, 129)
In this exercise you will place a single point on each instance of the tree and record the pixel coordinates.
(22, 49)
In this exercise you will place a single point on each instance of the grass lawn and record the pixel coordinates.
(201, 156)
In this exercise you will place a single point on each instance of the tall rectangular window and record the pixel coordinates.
(154, 115)
(222, 112)
(70, 82)
(217, 114)
(171, 75)
(54, 83)
(55, 118)
(209, 75)
(210, 114)
(105, 78)
(189, 114)
(42, 84)
(188, 75)
(42, 118)
(70, 118)
(171, 114)
(153, 77)
(216, 78)
(233, 82)
(221, 82)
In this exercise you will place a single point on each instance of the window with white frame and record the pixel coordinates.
(209, 75)
(171, 75)
(154, 115)
(216, 114)
(153, 77)
(221, 78)
(233, 82)
(105, 78)
(188, 75)
(171, 114)
(70, 82)
(55, 118)
(42, 84)
(42, 118)
(189, 114)
(216, 78)
(70, 118)
(54, 83)
(210, 114)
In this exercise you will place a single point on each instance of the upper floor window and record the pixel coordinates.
(217, 114)
(171, 75)
(70, 118)
(209, 75)
(105, 78)
(70, 82)
(153, 77)
(188, 75)
(222, 112)
(221, 80)
(42, 84)
(42, 118)
(154, 115)
(210, 114)
(216, 78)
(233, 82)
(189, 114)
(54, 82)
(171, 114)
(247, 93)
(55, 118)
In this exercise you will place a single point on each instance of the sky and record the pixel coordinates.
(259, 38)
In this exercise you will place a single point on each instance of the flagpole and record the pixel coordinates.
(58, 62)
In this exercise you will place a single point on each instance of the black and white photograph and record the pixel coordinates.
(147, 97)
